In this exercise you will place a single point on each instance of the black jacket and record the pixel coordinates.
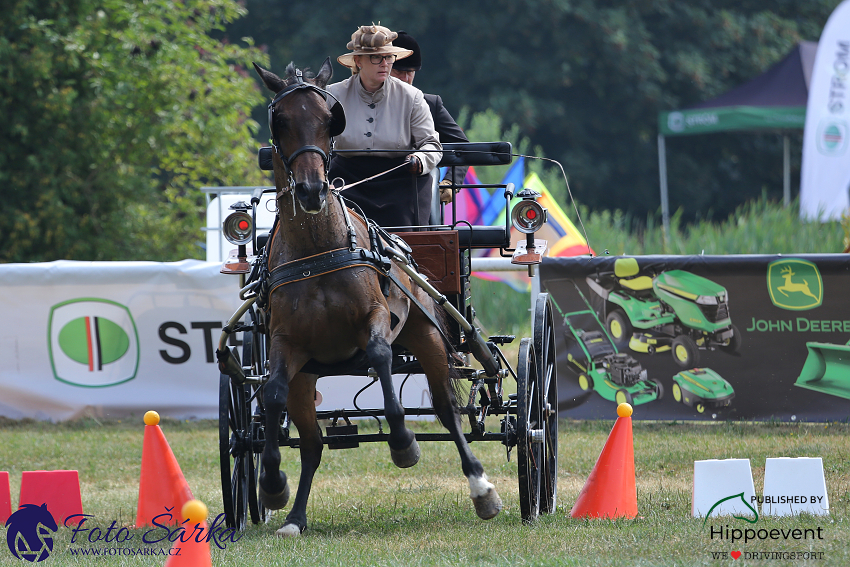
(448, 130)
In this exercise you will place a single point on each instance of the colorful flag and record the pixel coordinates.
(559, 231)
(470, 202)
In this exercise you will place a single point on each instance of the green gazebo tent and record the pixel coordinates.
(775, 100)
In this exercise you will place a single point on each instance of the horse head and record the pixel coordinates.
(303, 117)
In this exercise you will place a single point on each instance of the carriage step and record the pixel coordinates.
(502, 339)
(341, 431)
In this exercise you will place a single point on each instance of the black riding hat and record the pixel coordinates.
(412, 62)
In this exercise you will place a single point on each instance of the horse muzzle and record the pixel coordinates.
(311, 195)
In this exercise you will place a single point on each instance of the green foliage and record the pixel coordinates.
(757, 227)
(118, 112)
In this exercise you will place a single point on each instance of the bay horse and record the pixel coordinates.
(330, 318)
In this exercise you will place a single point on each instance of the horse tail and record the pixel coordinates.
(457, 384)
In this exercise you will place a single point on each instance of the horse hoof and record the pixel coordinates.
(406, 457)
(274, 501)
(288, 530)
(485, 498)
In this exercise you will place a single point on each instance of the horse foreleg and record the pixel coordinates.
(273, 488)
(404, 449)
(430, 352)
(302, 410)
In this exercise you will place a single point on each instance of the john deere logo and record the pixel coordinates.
(93, 343)
(794, 284)
(832, 138)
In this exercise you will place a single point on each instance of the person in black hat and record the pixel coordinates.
(405, 70)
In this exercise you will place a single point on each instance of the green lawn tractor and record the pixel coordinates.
(615, 376)
(827, 369)
(702, 389)
(673, 311)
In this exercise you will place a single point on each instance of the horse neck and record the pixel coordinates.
(302, 234)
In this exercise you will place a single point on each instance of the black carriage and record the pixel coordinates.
(527, 419)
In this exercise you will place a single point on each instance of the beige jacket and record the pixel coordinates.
(394, 116)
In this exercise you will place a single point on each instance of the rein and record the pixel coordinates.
(377, 175)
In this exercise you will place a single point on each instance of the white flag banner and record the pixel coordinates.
(825, 173)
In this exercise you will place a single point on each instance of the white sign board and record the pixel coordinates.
(113, 339)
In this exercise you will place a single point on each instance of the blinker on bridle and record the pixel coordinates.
(336, 126)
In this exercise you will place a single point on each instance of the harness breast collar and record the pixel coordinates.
(327, 262)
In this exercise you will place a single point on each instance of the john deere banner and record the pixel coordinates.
(703, 337)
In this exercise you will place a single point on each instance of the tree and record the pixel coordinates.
(118, 111)
(584, 79)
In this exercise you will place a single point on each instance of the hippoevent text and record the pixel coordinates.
(752, 534)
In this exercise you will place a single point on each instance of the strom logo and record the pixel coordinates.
(29, 533)
(832, 137)
(794, 284)
(676, 121)
(93, 343)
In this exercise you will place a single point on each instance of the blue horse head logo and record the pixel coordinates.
(29, 532)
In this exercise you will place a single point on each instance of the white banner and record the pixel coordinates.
(825, 173)
(113, 339)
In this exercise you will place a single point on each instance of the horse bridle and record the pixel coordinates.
(336, 126)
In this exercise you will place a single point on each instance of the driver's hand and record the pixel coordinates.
(413, 164)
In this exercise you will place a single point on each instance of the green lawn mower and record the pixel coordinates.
(702, 389)
(673, 311)
(615, 376)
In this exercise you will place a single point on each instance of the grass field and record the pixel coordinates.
(364, 511)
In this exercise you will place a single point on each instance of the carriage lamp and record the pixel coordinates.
(528, 216)
(238, 227)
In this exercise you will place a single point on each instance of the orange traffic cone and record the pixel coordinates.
(192, 549)
(610, 490)
(162, 487)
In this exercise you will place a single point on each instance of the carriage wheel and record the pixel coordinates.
(235, 454)
(544, 349)
(254, 357)
(530, 442)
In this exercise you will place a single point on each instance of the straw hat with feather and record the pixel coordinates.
(372, 40)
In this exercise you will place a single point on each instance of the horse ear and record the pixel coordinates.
(325, 74)
(272, 81)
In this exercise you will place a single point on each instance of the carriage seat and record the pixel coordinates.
(459, 154)
(626, 270)
(482, 236)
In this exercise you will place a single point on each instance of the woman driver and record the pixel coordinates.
(384, 113)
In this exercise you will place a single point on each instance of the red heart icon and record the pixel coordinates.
(735, 554)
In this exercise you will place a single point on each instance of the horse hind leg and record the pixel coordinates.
(404, 449)
(431, 354)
